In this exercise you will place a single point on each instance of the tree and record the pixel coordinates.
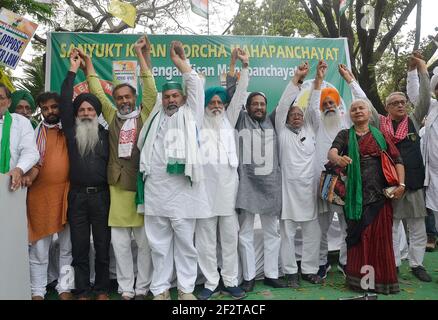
(367, 45)
(33, 77)
(280, 17)
(42, 12)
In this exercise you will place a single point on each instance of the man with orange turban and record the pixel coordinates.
(328, 100)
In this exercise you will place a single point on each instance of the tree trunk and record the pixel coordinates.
(418, 28)
(368, 82)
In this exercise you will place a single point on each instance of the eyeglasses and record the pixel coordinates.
(256, 104)
(296, 115)
(396, 103)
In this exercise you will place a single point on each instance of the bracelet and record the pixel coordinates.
(402, 185)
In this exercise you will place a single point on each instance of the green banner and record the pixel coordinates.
(272, 59)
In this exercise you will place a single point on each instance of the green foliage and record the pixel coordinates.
(274, 18)
(33, 77)
(42, 12)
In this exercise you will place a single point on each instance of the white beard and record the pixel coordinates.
(213, 120)
(87, 135)
(331, 122)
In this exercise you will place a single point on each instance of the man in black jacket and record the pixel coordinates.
(88, 199)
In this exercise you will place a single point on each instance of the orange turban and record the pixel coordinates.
(330, 93)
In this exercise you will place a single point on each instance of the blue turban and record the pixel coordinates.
(215, 91)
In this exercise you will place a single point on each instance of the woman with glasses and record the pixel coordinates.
(368, 212)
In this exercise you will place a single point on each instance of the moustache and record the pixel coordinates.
(329, 111)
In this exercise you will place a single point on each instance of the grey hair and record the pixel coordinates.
(397, 93)
(365, 102)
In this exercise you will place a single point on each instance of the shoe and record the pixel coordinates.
(275, 283)
(163, 296)
(206, 294)
(37, 298)
(140, 297)
(323, 270)
(248, 285)
(102, 296)
(65, 296)
(312, 278)
(292, 280)
(84, 298)
(421, 274)
(126, 297)
(186, 296)
(341, 267)
(431, 243)
(235, 292)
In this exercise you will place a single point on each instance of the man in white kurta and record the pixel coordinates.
(219, 154)
(297, 155)
(221, 180)
(174, 190)
(430, 136)
(327, 126)
(22, 153)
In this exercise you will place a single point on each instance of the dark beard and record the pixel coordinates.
(52, 119)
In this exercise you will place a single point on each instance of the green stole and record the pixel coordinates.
(5, 151)
(353, 198)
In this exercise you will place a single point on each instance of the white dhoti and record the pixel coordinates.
(39, 264)
(325, 220)
(205, 242)
(311, 239)
(121, 239)
(271, 245)
(417, 241)
(171, 242)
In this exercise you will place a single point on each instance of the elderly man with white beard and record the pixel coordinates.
(88, 198)
(221, 180)
(296, 136)
(125, 121)
(330, 122)
(174, 189)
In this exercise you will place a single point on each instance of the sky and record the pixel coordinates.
(219, 22)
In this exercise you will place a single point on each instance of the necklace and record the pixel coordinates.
(362, 133)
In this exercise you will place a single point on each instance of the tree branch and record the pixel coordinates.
(395, 29)
(315, 17)
(82, 13)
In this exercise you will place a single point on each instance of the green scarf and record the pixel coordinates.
(5, 152)
(353, 198)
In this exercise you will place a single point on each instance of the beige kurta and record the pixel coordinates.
(47, 197)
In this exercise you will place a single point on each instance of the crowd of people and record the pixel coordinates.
(184, 175)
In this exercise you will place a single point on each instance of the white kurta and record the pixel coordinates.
(429, 142)
(172, 196)
(218, 149)
(324, 137)
(24, 153)
(175, 196)
(297, 155)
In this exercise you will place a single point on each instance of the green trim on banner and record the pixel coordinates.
(272, 59)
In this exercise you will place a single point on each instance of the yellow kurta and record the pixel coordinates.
(47, 197)
(123, 210)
